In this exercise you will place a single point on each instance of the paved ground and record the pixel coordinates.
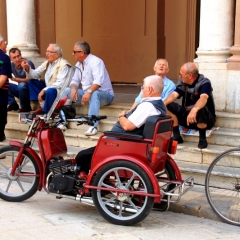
(44, 217)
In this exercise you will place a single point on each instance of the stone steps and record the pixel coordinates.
(191, 160)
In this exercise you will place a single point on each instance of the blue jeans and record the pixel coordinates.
(49, 97)
(26, 92)
(35, 87)
(20, 91)
(98, 99)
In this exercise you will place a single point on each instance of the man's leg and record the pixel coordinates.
(3, 120)
(49, 97)
(175, 110)
(98, 99)
(35, 87)
(84, 158)
(12, 93)
(24, 96)
(205, 121)
(67, 92)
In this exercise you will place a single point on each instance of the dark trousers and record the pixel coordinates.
(203, 116)
(3, 120)
(49, 97)
(84, 158)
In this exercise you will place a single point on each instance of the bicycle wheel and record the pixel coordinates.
(24, 185)
(222, 186)
(122, 209)
(167, 174)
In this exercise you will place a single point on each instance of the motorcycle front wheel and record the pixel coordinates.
(24, 182)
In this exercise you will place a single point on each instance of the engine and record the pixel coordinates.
(63, 177)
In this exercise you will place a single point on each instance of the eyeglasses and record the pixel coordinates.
(78, 51)
(142, 87)
(50, 52)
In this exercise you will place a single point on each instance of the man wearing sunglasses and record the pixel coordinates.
(96, 88)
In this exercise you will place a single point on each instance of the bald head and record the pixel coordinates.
(190, 67)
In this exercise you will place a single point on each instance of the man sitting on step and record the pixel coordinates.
(26, 89)
(161, 68)
(197, 110)
(54, 72)
(132, 121)
(91, 74)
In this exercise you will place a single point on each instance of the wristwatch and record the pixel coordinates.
(89, 91)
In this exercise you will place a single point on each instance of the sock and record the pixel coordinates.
(202, 133)
(176, 132)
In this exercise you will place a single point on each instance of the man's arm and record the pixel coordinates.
(201, 102)
(171, 98)
(125, 123)
(3, 79)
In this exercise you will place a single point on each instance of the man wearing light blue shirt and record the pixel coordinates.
(161, 69)
(93, 77)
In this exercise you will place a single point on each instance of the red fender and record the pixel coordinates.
(34, 155)
(146, 168)
(175, 168)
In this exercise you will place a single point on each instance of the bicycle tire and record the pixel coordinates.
(222, 186)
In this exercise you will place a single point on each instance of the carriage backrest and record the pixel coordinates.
(157, 124)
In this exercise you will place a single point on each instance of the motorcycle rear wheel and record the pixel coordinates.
(17, 188)
(121, 208)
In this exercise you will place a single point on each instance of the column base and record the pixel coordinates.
(212, 56)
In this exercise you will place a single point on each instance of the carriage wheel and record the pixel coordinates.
(122, 209)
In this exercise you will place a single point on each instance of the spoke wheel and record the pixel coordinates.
(222, 186)
(17, 188)
(122, 208)
(166, 175)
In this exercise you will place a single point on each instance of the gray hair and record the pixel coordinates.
(84, 46)
(57, 48)
(155, 82)
(1, 38)
(159, 60)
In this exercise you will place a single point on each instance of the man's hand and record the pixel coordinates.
(25, 65)
(123, 113)
(192, 116)
(74, 94)
(40, 95)
(85, 98)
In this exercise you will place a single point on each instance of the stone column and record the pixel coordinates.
(216, 30)
(3, 19)
(21, 26)
(233, 66)
(234, 60)
(216, 39)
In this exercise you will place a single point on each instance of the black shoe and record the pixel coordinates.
(179, 139)
(1, 140)
(202, 143)
(25, 109)
(13, 106)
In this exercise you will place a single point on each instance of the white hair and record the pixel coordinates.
(155, 82)
(1, 38)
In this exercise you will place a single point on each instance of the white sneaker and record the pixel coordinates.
(63, 126)
(91, 131)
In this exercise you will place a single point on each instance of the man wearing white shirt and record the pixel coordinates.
(54, 72)
(92, 75)
(132, 121)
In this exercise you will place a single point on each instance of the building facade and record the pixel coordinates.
(129, 35)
